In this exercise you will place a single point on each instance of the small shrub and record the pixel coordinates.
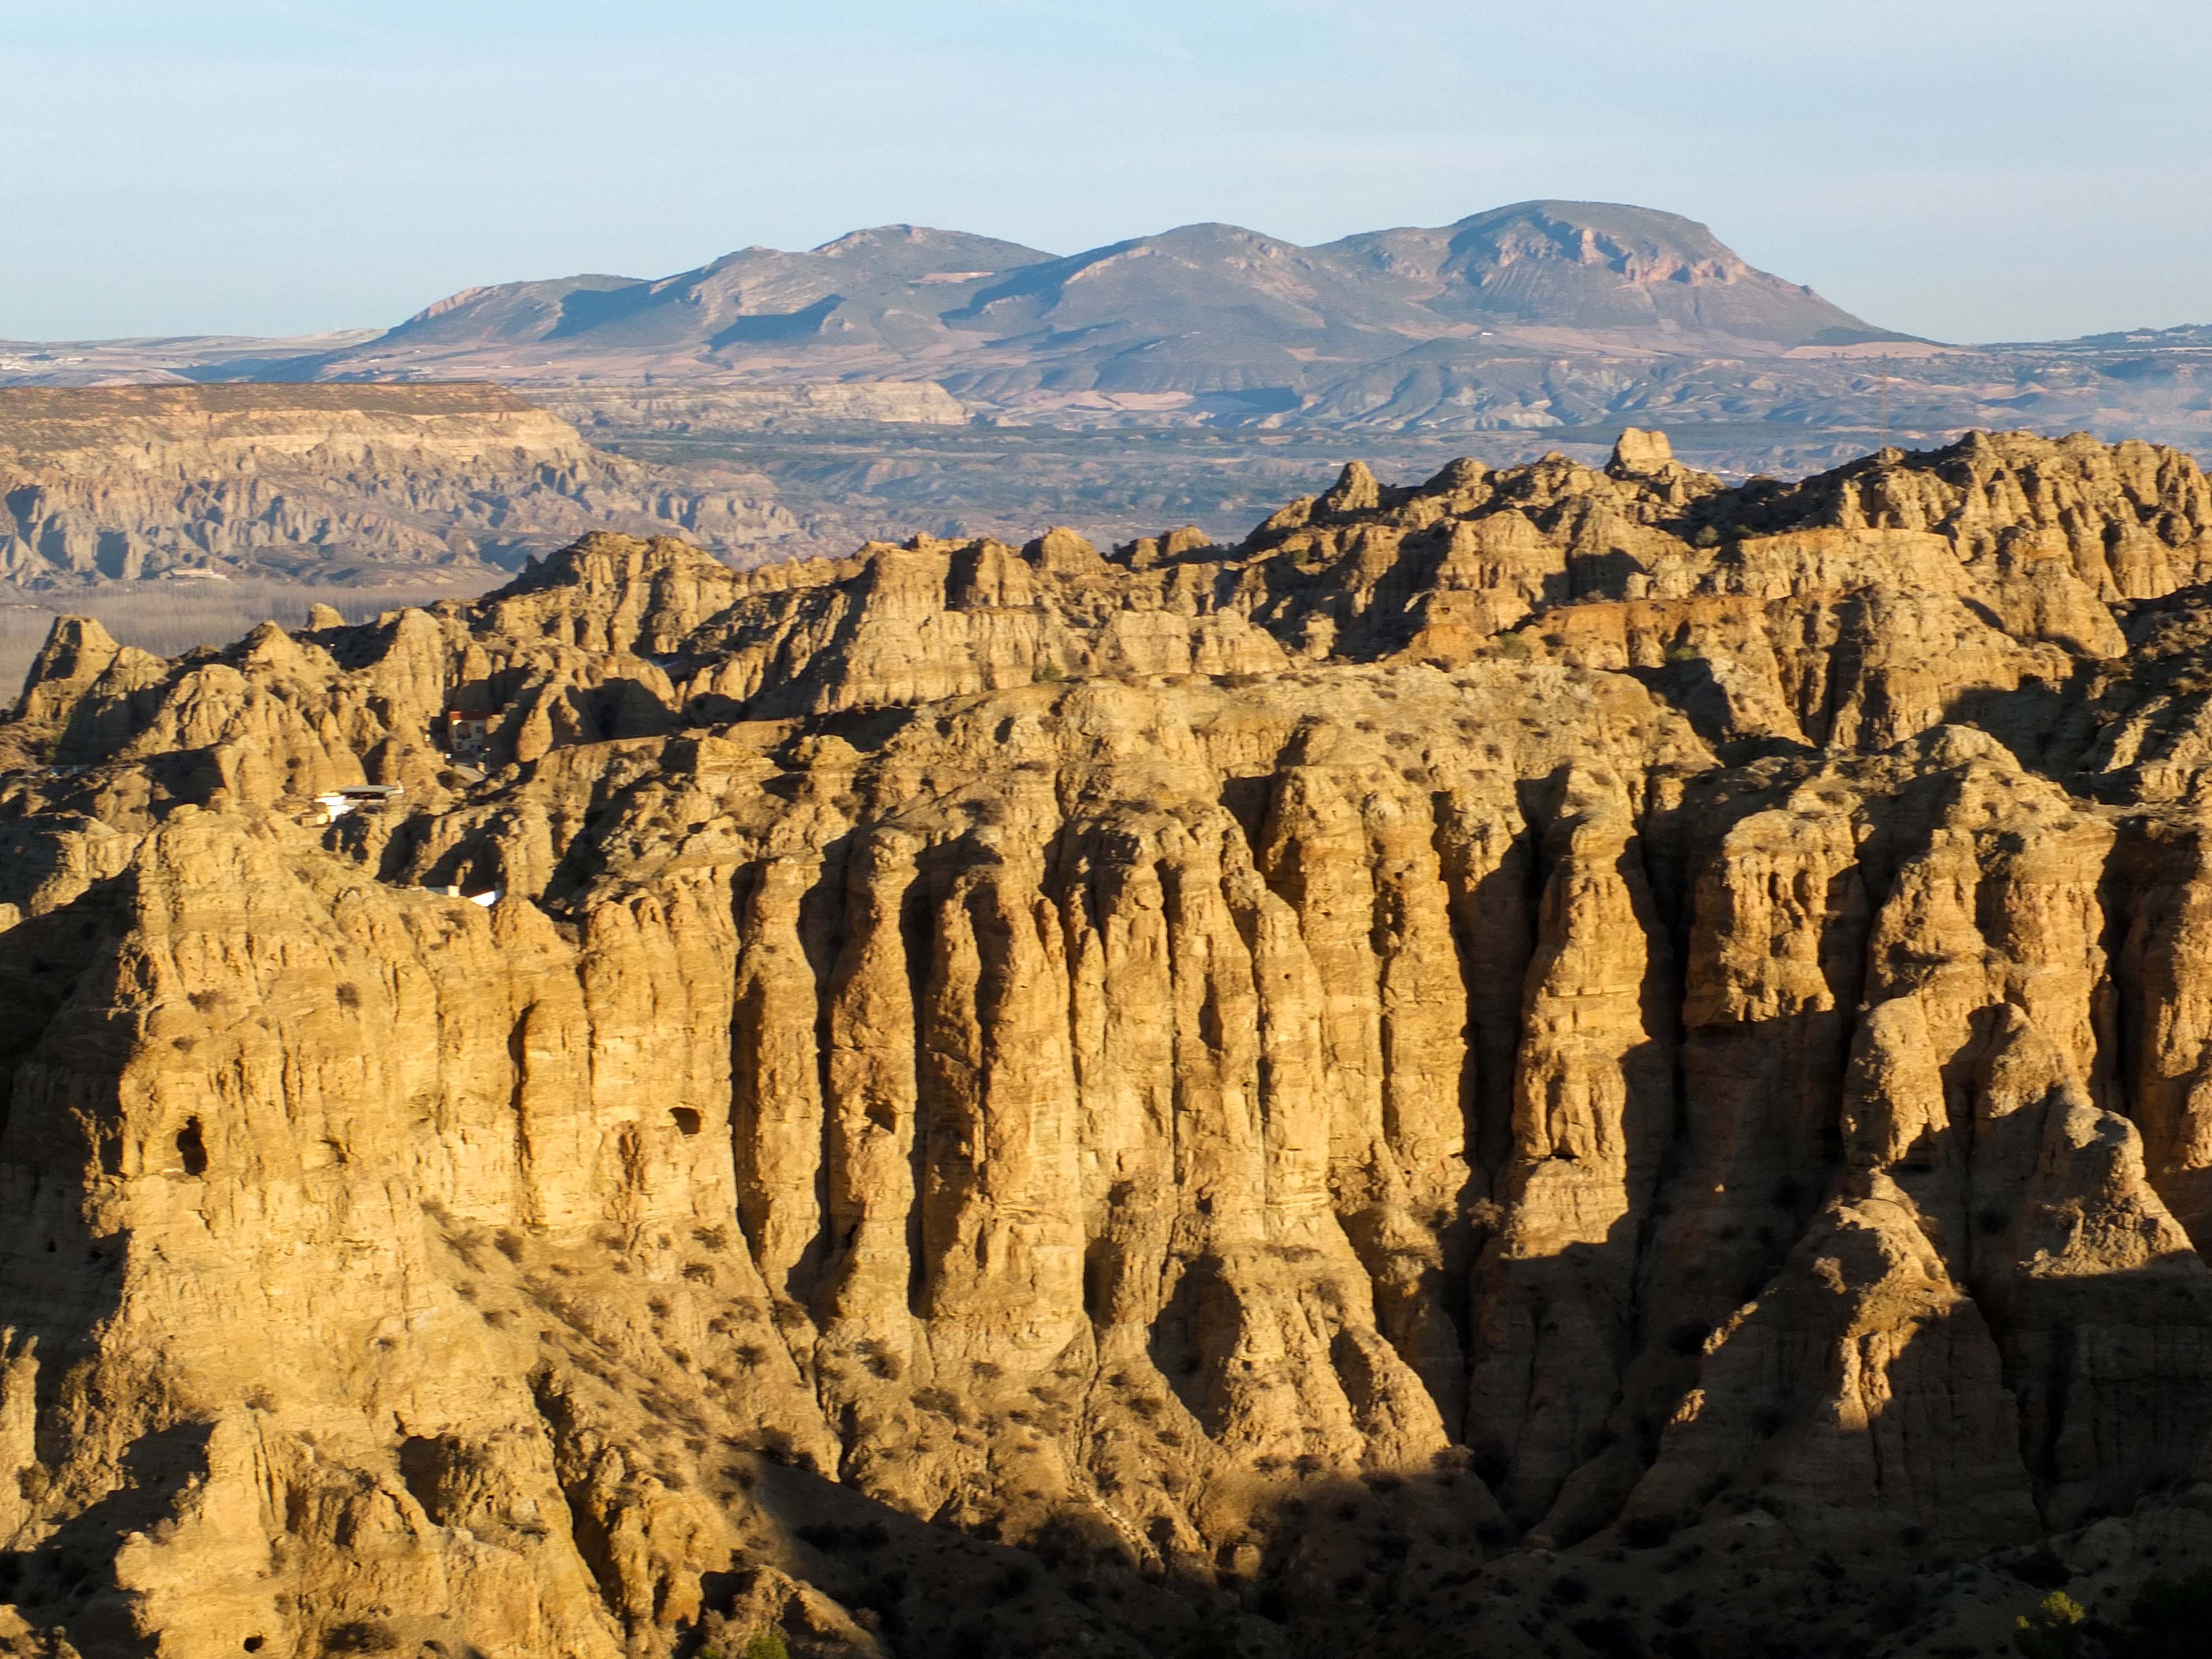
(830, 1538)
(2054, 1629)
(1648, 1532)
(361, 1636)
(1207, 1640)
(1612, 1636)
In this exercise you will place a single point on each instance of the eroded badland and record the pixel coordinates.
(1552, 1060)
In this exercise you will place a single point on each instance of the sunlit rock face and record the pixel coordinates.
(1550, 1027)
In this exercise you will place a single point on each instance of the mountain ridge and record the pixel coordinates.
(1216, 289)
(1536, 315)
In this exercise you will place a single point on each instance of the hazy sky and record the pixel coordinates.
(1969, 169)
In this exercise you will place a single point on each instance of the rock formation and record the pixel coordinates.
(325, 483)
(1554, 1059)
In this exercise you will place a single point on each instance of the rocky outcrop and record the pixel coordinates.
(327, 483)
(1500, 1057)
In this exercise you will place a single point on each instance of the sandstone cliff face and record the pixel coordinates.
(124, 482)
(1541, 1028)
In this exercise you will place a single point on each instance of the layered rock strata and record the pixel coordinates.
(325, 482)
(1499, 1059)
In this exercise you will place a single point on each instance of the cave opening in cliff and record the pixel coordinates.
(192, 1147)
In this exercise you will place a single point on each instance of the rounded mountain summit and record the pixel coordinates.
(1206, 307)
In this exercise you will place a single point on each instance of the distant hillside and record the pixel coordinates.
(1214, 321)
(1539, 316)
(2195, 337)
(873, 290)
(336, 484)
(1204, 308)
(1598, 265)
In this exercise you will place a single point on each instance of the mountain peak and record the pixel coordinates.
(1618, 219)
(1197, 309)
(921, 248)
(1599, 267)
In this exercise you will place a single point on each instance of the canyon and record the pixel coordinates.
(1553, 1059)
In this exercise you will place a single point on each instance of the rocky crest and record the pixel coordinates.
(1552, 1055)
(116, 484)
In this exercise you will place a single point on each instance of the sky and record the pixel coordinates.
(1970, 170)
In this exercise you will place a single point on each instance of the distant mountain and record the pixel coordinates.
(1205, 308)
(1600, 266)
(877, 289)
(2190, 337)
(1542, 316)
